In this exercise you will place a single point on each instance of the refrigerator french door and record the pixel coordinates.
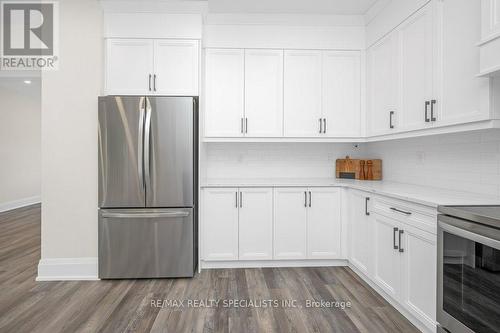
(147, 181)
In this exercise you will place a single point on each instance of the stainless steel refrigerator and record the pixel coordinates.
(147, 186)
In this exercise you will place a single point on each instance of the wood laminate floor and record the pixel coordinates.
(125, 305)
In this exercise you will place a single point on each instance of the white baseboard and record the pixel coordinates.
(67, 269)
(273, 263)
(9, 205)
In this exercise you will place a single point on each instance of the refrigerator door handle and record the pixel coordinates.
(140, 142)
(144, 215)
(147, 140)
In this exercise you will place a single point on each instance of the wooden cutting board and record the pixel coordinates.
(360, 169)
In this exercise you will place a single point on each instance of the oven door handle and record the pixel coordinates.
(473, 231)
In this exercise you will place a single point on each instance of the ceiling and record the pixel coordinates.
(330, 7)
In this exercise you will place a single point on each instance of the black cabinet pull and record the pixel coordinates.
(395, 230)
(310, 199)
(154, 82)
(427, 103)
(400, 211)
(400, 246)
(367, 213)
(320, 125)
(324, 125)
(433, 102)
(236, 199)
(149, 82)
(305, 199)
(242, 126)
(390, 119)
(241, 199)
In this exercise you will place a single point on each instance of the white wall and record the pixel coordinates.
(274, 160)
(467, 162)
(19, 142)
(69, 135)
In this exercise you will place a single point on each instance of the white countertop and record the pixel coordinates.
(424, 195)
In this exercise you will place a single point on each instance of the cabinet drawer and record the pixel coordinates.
(416, 215)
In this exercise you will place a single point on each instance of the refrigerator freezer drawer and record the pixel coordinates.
(146, 243)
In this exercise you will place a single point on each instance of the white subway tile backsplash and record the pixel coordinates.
(464, 161)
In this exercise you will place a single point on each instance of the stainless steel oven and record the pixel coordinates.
(468, 269)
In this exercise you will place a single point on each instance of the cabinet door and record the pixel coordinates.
(256, 224)
(129, 65)
(416, 81)
(360, 232)
(176, 67)
(323, 223)
(342, 93)
(302, 94)
(386, 268)
(264, 93)
(290, 223)
(419, 274)
(224, 93)
(382, 85)
(220, 224)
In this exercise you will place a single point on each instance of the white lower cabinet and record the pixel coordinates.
(387, 260)
(252, 224)
(220, 224)
(324, 223)
(399, 253)
(418, 274)
(360, 234)
(290, 215)
(237, 224)
(255, 224)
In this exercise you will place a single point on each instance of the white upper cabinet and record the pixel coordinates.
(263, 93)
(490, 19)
(176, 67)
(418, 103)
(341, 96)
(220, 224)
(256, 223)
(152, 67)
(382, 85)
(129, 66)
(290, 214)
(323, 223)
(302, 95)
(489, 47)
(224, 93)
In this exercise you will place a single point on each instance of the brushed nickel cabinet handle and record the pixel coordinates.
(433, 102)
(427, 103)
(367, 213)
(395, 230)
(400, 246)
(400, 211)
